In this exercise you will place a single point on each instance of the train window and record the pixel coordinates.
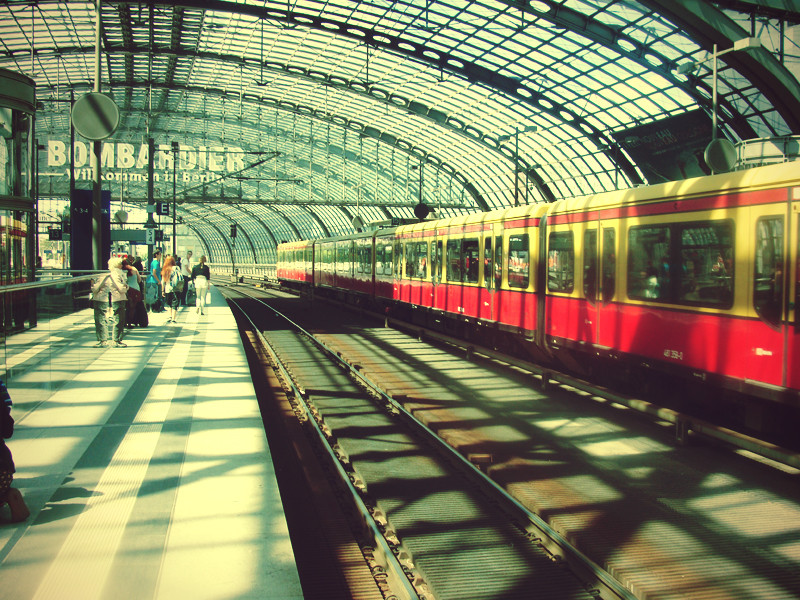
(417, 260)
(472, 260)
(363, 258)
(439, 260)
(487, 261)
(519, 261)
(561, 262)
(590, 265)
(398, 260)
(454, 261)
(648, 262)
(498, 262)
(768, 277)
(682, 263)
(706, 269)
(380, 257)
(344, 258)
(387, 259)
(609, 264)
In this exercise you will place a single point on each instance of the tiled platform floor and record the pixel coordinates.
(146, 468)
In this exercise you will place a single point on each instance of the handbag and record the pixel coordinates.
(208, 297)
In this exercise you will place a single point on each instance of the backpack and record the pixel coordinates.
(176, 279)
(151, 292)
(6, 421)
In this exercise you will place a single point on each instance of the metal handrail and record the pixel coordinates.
(31, 285)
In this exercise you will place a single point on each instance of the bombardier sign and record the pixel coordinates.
(121, 161)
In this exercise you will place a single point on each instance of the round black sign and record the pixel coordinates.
(95, 116)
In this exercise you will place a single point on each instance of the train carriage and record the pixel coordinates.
(384, 265)
(515, 274)
(414, 283)
(295, 263)
(692, 277)
(363, 277)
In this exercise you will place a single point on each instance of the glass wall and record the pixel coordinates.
(17, 203)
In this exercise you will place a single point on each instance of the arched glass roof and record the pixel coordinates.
(294, 117)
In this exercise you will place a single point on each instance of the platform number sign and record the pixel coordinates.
(150, 236)
(54, 234)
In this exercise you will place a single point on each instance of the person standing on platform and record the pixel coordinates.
(201, 275)
(152, 293)
(134, 281)
(170, 280)
(186, 273)
(9, 495)
(110, 290)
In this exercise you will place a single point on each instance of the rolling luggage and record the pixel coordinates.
(191, 295)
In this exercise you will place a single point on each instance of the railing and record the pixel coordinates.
(37, 319)
(767, 151)
(225, 271)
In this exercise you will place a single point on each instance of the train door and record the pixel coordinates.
(497, 274)
(591, 318)
(487, 290)
(607, 316)
(768, 334)
(437, 258)
(793, 309)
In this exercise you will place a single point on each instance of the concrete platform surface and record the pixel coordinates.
(146, 468)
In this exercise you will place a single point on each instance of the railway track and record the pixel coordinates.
(440, 528)
(668, 520)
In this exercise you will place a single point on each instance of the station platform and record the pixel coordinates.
(146, 468)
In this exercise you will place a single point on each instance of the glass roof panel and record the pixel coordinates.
(381, 86)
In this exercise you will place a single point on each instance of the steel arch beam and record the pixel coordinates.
(264, 225)
(709, 25)
(203, 242)
(309, 112)
(427, 55)
(225, 238)
(209, 245)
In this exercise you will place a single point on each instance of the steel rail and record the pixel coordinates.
(684, 423)
(399, 583)
(553, 541)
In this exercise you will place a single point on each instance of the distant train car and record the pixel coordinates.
(295, 263)
(695, 278)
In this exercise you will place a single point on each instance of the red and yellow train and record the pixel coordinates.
(693, 280)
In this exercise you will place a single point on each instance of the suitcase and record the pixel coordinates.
(140, 317)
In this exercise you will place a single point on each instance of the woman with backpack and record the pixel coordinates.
(171, 285)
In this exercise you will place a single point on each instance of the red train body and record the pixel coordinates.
(694, 279)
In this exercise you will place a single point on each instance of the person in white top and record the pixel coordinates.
(186, 272)
(201, 274)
